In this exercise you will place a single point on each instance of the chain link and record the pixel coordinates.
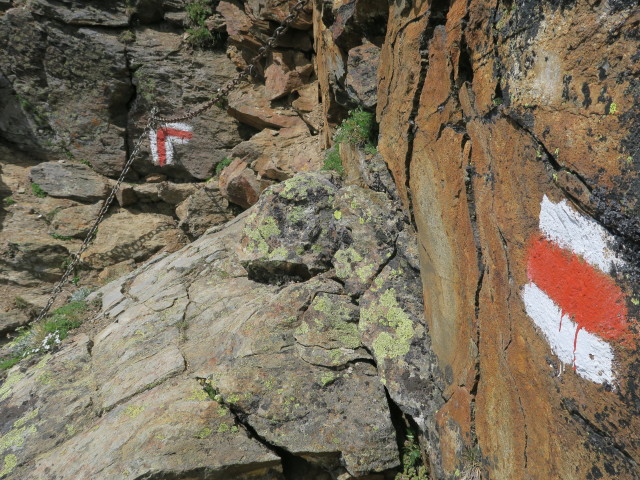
(152, 123)
(94, 228)
(263, 51)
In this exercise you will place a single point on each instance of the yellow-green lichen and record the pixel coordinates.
(297, 187)
(8, 384)
(386, 312)
(343, 259)
(26, 418)
(15, 437)
(259, 234)
(296, 214)
(279, 253)
(337, 214)
(71, 430)
(133, 411)
(199, 395)
(224, 428)
(327, 378)
(204, 433)
(10, 462)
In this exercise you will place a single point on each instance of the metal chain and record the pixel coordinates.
(151, 124)
(263, 51)
(94, 228)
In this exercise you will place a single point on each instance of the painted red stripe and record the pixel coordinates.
(592, 298)
(163, 134)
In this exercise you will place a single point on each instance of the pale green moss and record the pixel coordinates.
(386, 311)
(10, 462)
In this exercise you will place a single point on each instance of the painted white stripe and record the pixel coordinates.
(584, 236)
(169, 141)
(593, 356)
(153, 143)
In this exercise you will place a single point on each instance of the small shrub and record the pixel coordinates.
(357, 129)
(198, 11)
(200, 37)
(332, 160)
(37, 190)
(224, 163)
(412, 468)
(8, 201)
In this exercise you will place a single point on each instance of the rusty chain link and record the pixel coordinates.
(263, 51)
(151, 124)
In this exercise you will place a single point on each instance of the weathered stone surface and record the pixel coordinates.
(280, 154)
(90, 13)
(65, 89)
(240, 185)
(293, 232)
(362, 74)
(252, 106)
(176, 79)
(481, 121)
(202, 210)
(138, 237)
(74, 221)
(287, 72)
(69, 180)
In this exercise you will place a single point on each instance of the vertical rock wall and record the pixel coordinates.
(511, 128)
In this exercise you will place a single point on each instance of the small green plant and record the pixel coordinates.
(9, 362)
(356, 129)
(127, 37)
(75, 280)
(199, 37)
(57, 236)
(20, 303)
(65, 318)
(412, 467)
(222, 164)
(332, 160)
(37, 190)
(198, 11)
(497, 101)
(8, 201)
(370, 149)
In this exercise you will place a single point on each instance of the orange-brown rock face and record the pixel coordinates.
(511, 128)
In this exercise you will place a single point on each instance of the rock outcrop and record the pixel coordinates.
(265, 333)
(465, 295)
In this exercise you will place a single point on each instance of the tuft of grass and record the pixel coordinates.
(357, 129)
(127, 37)
(224, 163)
(46, 335)
(8, 201)
(332, 160)
(37, 190)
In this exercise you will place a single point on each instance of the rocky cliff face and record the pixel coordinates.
(511, 129)
(460, 303)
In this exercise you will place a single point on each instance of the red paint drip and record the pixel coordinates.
(163, 134)
(589, 296)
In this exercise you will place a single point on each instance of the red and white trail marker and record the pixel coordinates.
(164, 138)
(571, 296)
